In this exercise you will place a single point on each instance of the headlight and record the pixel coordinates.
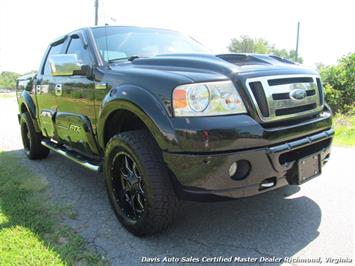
(199, 97)
(207, 99)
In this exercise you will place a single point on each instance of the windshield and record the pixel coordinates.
(124, 42)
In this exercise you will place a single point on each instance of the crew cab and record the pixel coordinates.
(166, 120)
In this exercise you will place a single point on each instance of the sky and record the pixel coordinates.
(327, 29)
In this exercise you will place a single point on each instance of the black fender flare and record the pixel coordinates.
(26, 99)
(145, 106)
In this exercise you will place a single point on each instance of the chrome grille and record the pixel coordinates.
(285, 96)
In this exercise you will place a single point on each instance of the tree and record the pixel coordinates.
(8, 79)
(246, 44)
(290, 55)
(339, 84)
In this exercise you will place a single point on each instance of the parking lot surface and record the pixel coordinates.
(309, 221)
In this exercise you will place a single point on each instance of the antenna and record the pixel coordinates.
(106, 43)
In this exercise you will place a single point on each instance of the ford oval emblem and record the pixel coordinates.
(298, 94)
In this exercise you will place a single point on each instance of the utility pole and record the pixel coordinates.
(96, 12)
(298, 38)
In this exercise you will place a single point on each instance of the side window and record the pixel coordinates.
(76, 47)
(57, 49)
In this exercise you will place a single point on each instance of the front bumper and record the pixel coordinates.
(205, 176)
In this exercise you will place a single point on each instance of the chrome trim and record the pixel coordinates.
(38, 89)
(64, 64)
(64, 153)
(58, 90)
(274, 105)
(268, 184)
(294, 94)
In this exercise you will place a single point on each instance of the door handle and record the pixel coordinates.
(38, 89)
(58, 90)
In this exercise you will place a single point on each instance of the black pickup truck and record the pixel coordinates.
(165, 119)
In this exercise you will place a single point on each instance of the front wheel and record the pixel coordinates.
(138, 183)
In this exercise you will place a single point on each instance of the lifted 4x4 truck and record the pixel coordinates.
(165, 119)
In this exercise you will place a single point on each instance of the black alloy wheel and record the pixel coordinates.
(138, 183)
(26, 138)
(127, 186)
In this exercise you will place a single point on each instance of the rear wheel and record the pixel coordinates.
(138, 183)
(31, 139)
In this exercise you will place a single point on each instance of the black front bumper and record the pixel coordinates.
(205, 176)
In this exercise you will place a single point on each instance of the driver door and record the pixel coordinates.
(76, 116)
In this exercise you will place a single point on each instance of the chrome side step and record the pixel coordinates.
(72, 156)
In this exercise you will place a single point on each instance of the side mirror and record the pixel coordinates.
(85, 70)
(66, 65)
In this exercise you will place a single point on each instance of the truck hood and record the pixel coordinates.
(206, 67)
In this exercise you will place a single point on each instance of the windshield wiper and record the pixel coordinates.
(130, 58)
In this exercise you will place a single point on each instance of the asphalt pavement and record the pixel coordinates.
(311, 221)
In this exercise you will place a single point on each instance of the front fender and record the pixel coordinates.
(145, 106)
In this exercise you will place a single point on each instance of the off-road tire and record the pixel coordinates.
(161, 204)
(31, 139)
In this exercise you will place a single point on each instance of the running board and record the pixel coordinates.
(72, 156)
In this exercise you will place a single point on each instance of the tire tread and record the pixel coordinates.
(163, 209)
(37, 150)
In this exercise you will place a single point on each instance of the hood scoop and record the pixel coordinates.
(254, 59)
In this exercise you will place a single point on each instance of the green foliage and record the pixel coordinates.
(290, 55)
(246, 44)
(8, 80)
(339, 84)
(344, 130)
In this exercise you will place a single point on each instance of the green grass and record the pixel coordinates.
(31, 231)
(344, 130)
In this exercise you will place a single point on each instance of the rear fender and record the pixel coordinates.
(25, 99)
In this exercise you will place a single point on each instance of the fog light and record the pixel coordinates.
(239, 170)
(233, 169)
